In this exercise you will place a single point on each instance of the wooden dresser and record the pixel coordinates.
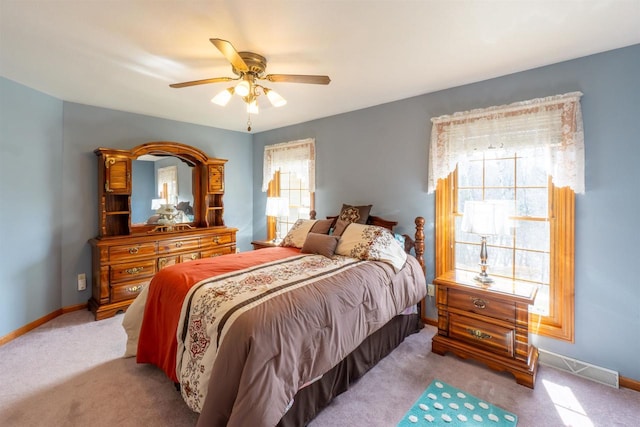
(488, 323)
(125, 255)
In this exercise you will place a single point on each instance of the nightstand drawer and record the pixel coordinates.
(480, 304)
(497, 339)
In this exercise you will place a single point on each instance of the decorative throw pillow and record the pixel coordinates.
(298, 233)
(372, 243)
(321, 226)
(320, 244)
(357, 214)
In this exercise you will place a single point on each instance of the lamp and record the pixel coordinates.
(277, 207)
(156, 203)
(485, 218)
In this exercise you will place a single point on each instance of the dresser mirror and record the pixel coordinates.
(157, 180)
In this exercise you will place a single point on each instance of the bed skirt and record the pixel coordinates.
(309, 401)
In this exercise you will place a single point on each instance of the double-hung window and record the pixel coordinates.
(289, 175)
(530, 155)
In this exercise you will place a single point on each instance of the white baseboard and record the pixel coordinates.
(581, 369)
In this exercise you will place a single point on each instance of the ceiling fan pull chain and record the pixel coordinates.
(249, 123)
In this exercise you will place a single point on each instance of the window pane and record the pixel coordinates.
(470, 174)
(499, 173)
(533, 266)
(530, 173)
(532, 202)
(467, 256)
(468, 194)
(499, 194)
(532, 235)
(500, 261)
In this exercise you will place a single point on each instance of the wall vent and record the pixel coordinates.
(581, 369)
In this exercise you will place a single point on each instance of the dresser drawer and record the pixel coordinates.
(482, 305)
(218, 239)
(211, 253)
(128, 290)
(173, 245)
(166, 261)
(190, 257)
(125, 252)
(132, 271)
(497, 339)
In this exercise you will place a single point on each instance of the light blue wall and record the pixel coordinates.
(30, 205)
(379, 156)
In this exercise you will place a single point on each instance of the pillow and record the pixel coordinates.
(373, 243)
(321, 226)
(349, 214)
(296, 236)
(358, 214)
(320, 244)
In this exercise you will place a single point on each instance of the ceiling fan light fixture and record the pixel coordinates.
(222, 98)
(252, 107)
(243, 88)
(274, 97)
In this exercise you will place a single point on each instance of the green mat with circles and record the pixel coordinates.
(444, 405)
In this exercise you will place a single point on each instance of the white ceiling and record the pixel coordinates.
(123, 54)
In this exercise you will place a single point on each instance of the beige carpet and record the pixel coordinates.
(69, 372)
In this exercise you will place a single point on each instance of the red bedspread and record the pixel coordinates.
(157, 342)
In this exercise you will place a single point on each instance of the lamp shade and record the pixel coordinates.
(277, 206)
(156, 203)
(223, 97)
(486, 218)
(275, 98)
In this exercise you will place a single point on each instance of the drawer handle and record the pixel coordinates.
(134, 270)
(216, 239)
(178, 244)
(162, 262)
(479, 303)
(476, 333)
(133, 251)
(194, 256)
(214, 255)
(134, 289)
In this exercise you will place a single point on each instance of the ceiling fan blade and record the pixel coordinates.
(230, 53)
(202, 82)
(297, 78)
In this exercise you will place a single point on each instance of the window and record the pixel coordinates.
(289, 173)
(168, 184)
(512, 153)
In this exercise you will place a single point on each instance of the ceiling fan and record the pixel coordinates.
(250, 67)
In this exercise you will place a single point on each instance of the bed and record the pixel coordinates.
(269, 337)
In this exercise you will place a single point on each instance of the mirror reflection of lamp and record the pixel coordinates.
(277, 207)
(486, 218)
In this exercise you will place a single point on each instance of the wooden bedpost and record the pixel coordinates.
(312, 214)
(419, 242)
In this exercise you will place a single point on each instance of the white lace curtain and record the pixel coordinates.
(550, 128)
(297, 157)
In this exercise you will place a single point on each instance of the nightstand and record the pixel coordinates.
(487, 323)
(261, 244)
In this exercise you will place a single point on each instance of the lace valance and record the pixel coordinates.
(550, 127)
(297, 157)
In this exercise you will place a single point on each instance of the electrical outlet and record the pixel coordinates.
(82, 282)
(431, 290)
